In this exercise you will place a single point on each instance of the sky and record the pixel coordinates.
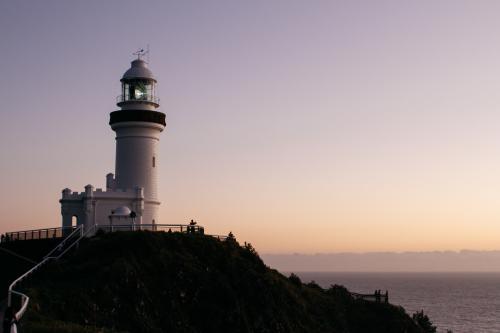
(300, 126)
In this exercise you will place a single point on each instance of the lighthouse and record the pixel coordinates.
(138, 126)
(131, 194)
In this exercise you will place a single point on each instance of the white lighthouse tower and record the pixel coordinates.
(134, 186)
(138, 126)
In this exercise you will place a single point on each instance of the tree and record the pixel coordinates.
(250, 249)
(294, 279)
(423, 321)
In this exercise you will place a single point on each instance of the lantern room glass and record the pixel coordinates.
(138, 90)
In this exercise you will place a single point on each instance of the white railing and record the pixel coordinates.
(24, 298)
(76, 232)
(83, 234)
(24, 304)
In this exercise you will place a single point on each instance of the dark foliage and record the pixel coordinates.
(424, 322)
(295, 280)
(170, 282)
(12, 266)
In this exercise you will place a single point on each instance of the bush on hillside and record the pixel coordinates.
(423, 321)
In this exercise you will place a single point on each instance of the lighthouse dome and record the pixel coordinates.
(138, 70)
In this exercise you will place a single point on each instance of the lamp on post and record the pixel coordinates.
(133, 215)
(111, 222)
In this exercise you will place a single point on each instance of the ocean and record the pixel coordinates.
(461, 302)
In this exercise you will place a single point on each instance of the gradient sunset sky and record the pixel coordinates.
(300, 126)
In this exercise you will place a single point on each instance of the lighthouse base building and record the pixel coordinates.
(95, 206)
(131, 195)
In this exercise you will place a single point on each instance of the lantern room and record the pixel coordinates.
(138, 87)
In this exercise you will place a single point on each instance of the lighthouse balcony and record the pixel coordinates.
(142, 98)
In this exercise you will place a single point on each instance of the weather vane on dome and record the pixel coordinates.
(141, 53)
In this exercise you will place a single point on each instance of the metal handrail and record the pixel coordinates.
(24, 300)
(185, 228)
(24, 297)
(11, 291)
(219, 237)
(384, 298)
(45, 233)
(56, 228)
(82, 235)
(79, 229)
(12, 253)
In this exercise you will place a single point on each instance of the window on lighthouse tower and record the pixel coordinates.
(154, 162)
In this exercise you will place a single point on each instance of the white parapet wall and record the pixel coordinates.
(95, 206)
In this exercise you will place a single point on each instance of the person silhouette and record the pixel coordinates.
(192, 227)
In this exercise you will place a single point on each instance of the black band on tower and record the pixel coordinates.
(137, 115)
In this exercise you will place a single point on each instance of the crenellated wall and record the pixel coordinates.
(95, 205)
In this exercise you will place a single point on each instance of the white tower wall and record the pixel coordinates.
(137, 156)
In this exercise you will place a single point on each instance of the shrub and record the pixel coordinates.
(423, 321)
(295, 280)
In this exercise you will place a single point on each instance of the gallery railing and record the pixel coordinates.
(142, 98)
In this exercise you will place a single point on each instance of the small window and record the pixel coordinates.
(154, 162)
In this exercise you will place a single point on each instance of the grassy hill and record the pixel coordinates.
(171, 282)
